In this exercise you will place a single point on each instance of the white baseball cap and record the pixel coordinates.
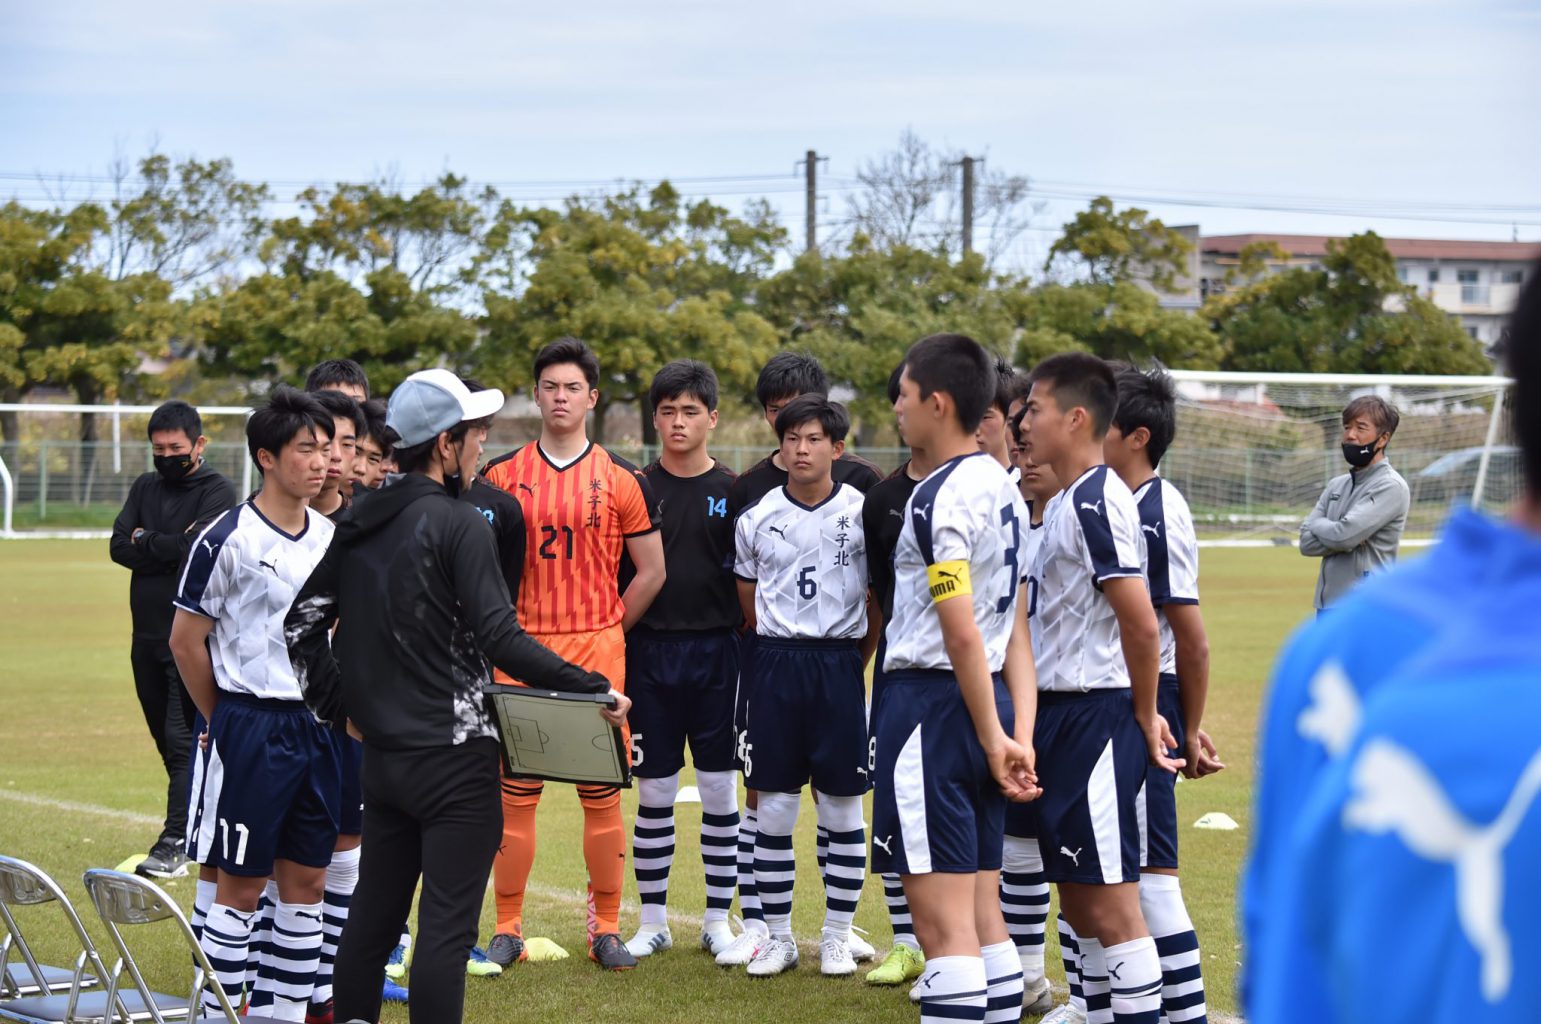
(432, 401)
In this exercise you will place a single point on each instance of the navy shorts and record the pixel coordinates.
(197, 771)
(351, 818)
(746, 646)
(935, 807)
(808, 720)
(1158, 797)
(1091, 764)
(682, 687)
(271, 787)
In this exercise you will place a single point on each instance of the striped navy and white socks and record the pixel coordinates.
(225, 941)
(287, 974)
(1182, 977)
(262, 932)
(1025, 902)
(953, 988)
(845, 865)
(719, 835)
(748, 893)
(341, 880)
(1003, 974)
(652, 846)
(775, 864)
(899, 912)
(1094, 982)
(1070, 956)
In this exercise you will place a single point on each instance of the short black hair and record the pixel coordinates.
(374, 424)
(789, 374)
(1007, 381)
(341, 407)
(832, 417)
(568, 350)
(1081, 379)
(893, 383)
(1379, 411)
(286, 412)
(1015, 423)
(176, 415)
(1521, 356)
(415, 458)
(958, 366)
(330, 372)
(1147, 398)
(684, 377)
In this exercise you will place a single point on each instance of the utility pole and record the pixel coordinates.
(968, 204)
(811, 166)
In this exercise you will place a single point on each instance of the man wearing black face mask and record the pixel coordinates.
(1357, 524)
(166, 509)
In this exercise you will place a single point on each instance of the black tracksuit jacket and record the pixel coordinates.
(412, 580)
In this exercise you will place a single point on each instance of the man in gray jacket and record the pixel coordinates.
(1357, 523)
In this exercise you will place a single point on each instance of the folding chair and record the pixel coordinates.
(22, 884)
(19, 888)
(123, 899)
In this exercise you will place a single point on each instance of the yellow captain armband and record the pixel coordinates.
(948, 579)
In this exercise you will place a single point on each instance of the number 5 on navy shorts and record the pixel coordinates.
(935, 807)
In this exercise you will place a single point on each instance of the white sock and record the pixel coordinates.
(288, 972)
(719, 835)
(775, 864)
(1004, 971)
(1182, 976)
(1025, 902)
(203, 899)
(341, 880)
(225, 941)
(1094, 982)
(1134, 977)
(652, 847)
(953, 988)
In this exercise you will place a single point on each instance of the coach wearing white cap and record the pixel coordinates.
(412, 580)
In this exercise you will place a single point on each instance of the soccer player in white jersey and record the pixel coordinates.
(1097, 649)
(801, 562)
(951, 745)
(271, 776)
(1141, 432)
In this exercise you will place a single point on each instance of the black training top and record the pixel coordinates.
(699, 593)
(506, 517)
(882, 517)
(172, 515)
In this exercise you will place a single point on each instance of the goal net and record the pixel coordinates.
(1254, 451)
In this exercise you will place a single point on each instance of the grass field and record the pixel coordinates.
(80, 786)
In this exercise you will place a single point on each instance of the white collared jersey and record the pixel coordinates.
(808, 565)
(1091, 534)
(1171, 556)
(963, 533)
(1032, 540)
(243, 573)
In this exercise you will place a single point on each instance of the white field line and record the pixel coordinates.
(548, 892)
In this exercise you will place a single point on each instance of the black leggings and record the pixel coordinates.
(436, 814)
(168, 711)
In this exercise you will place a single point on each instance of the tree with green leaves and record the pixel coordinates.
(1120, 321)
(1353, 315)
(1112, 245)
(642, 278)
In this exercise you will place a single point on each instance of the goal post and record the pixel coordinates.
(1254, 451)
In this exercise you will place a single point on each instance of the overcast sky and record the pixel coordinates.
(1370, 105)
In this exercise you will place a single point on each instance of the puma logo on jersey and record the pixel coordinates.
(1154, 531)
(920, 512)
(1092, 506)
(778, 531)
(1333, 717)
(210, 546)
(268, 565)
(1075, 858)
(527, 487)
(884, 844)
(1395, 792)
(895, 512)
